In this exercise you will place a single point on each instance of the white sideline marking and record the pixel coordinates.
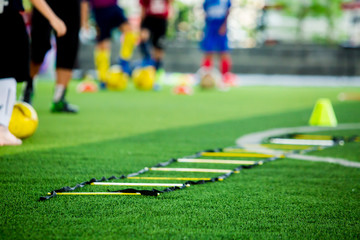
(340, 161)
(255, 140)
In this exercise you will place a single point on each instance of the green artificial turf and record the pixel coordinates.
(122, 132)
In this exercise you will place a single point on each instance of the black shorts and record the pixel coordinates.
(67, 46)
(107, 19)
(14, 47)
(157, 28)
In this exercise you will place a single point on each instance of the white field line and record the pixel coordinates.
(340, 161)
(255, 140)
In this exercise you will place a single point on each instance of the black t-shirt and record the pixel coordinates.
(16, 5)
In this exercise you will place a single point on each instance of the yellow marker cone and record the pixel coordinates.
(323, 114)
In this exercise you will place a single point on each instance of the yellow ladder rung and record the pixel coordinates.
(216, 161)
(224, 154)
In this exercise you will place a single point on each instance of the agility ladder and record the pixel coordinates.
(278, 147)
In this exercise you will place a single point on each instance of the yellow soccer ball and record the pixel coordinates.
(24, 120)
(117, 80)
(144, 78)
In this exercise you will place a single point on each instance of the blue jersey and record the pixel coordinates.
(216, 10)
(216, 14)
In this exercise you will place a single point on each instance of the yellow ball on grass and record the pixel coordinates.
(117, 80)
(144, 78)
(24, 120)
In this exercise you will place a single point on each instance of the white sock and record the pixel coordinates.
(7, 99)
(58, 93)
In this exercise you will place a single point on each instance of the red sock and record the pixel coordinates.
(207, 62)
(225, 65)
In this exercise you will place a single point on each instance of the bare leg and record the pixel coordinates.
(125, 27)
(104, 45)
(63, 76)
(34, 69)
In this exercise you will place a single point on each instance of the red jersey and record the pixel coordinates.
(156, 8)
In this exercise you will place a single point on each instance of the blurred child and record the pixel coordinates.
(67, 48)
(154, 16)
(215, 39)
(108, 16)
(14, 57)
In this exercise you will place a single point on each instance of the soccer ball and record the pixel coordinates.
(117, 80)
(144, 78)
(208, 78)
(24, 120)
(207, 81)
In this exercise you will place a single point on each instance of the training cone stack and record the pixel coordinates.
(323, 114)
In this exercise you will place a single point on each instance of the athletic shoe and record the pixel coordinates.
(229, 79)
(63, 106)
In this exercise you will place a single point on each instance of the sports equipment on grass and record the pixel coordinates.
(144, 78)
(323, 114)
(223, 154)
(171, 178)
(183, 90)
(140, 184)
(24, 120)
(209, 78)
(189, 160)
(88, 85)
(313, 137)
(196, 158)
(96, 193)
(117, 80)
(204, 170)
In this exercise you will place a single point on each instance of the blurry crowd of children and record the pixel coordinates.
(21, 59)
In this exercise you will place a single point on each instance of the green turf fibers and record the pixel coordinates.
(119, 133)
